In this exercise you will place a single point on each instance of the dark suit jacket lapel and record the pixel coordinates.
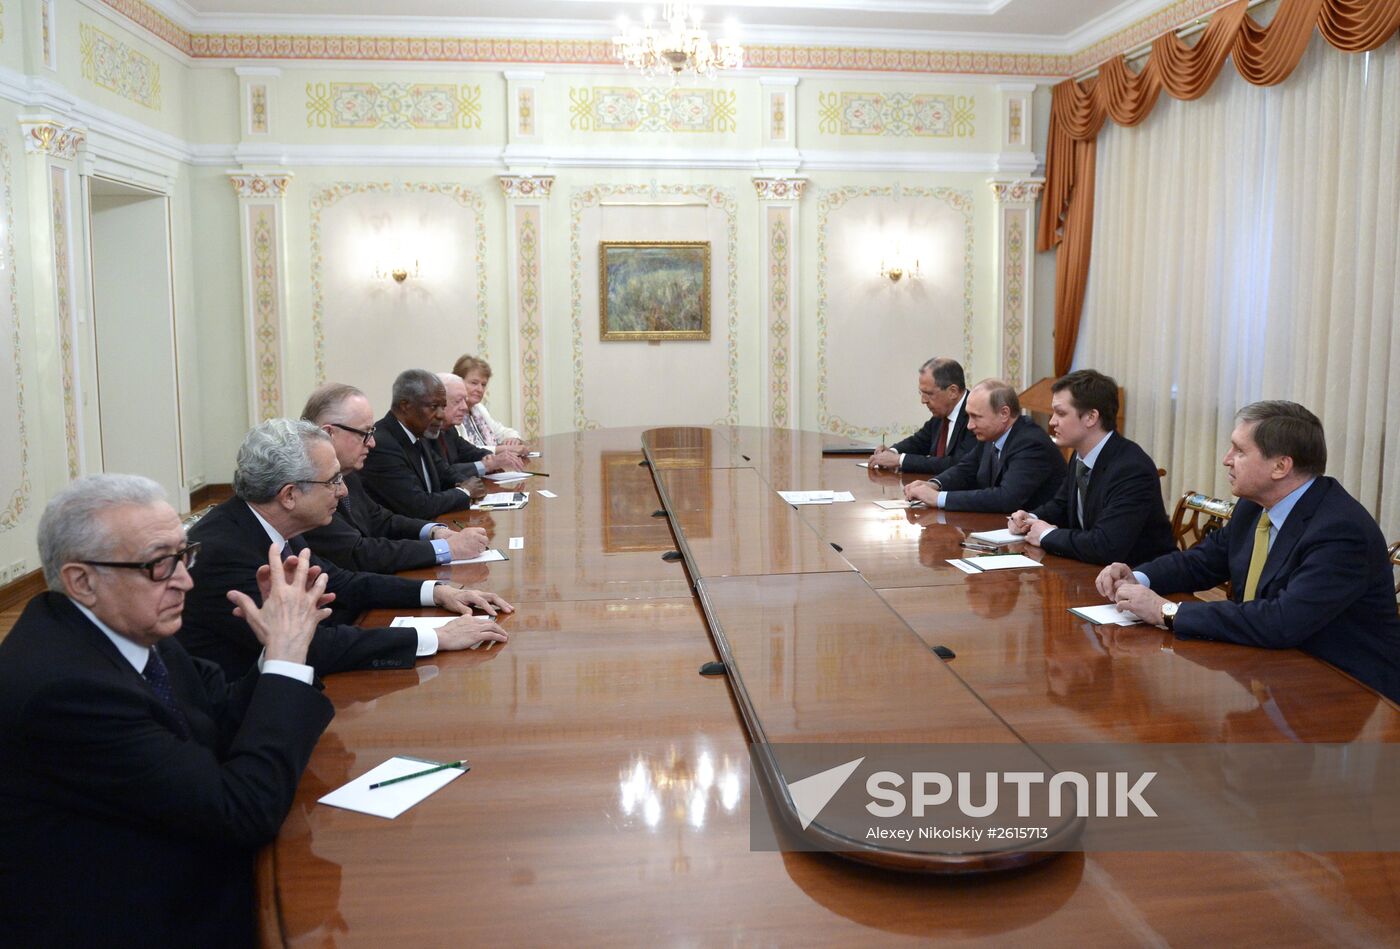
(1098, 480)
(1293, 529)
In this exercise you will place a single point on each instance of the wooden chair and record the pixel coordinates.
(1395, 563)
(191, 519)
(1198, 515)
(1036, 400)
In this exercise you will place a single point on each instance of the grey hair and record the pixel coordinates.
(414, 385)
(327, 402)
(274, 454)
(72, 527)
(449, 377)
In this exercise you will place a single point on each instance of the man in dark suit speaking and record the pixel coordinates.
(136, 784)
(944, 439)
(1015, 464)
(288, 481)
(1307, 564)
(1110, 506)
(363, 535)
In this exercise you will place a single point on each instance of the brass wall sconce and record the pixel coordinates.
(398, 274)
(897, 270)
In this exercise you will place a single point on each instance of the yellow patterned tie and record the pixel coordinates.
(1257, 558)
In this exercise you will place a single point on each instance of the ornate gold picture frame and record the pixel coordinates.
(654, 290)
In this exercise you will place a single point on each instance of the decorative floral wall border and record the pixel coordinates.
(333, 193)
(779, 325)
(19, 498)
(113, 65)
(267, 362)
(527, 242)
(835, 198)
(581, 199)
(58, 203)
(1013, 275)
(599, 52)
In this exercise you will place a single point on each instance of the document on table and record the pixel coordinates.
(900, 505)
(815, 497)
(1004, 536)
(516, 543)
(1105, 614)
(503, 501)
(433, 622)
(546, 494)
(393, 800)
(862, 464)
(533, 454)
(993, 562)
(503, 476)
(490, 556)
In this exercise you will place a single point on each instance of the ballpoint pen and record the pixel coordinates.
(463, 764)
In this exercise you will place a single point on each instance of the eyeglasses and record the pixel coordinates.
(365, 436)
(333, 483)
(159, 569)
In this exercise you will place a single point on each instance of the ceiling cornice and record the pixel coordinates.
(588, 43)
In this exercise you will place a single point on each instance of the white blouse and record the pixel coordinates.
(482, 430)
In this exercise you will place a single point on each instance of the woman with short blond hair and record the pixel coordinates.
(479, 427)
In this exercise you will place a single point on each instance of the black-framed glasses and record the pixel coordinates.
(365, 436)
(332, 483)
(159, 569)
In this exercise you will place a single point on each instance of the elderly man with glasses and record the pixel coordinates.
(136, 783)
(362, 534)
(287, 482)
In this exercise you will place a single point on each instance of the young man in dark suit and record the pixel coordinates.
(405, 470)
(288, 481)
(362, 535)
(944, 439)
(1307, 564)
(136, 783)
(1015, 464)
(1110, 505)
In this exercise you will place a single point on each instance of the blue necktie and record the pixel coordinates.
(159, 677)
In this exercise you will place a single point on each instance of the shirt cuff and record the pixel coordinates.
(425, 594)
(444, 552)
(480, 468)
(427, 532)
(1047, 533)
(292, 670)
(942, 498)
(899, 465)
(1141, 577)
(427, 641)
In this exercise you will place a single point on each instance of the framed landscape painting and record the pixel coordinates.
(654, 289)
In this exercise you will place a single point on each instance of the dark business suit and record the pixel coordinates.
(233, 547)
(393, 474)
(461, 455)
(918, 449)
(116, 831)
(1327, 586)
(1124, 519)
(363, 535)
(1028, 474)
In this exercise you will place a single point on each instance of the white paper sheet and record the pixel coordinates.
(900, 505)
(815, 497)
(501, 477)
(1105, 614)
(1000, 562)
(964, 566)
(517, 543)
(393, 800)
(490, 556)
(1003, 536)
(502, 501)
(533, 454)
(862, 464)
(546, 494)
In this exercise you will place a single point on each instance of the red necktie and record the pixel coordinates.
(940, 447)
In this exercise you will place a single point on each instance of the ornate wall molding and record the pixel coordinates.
(526, 186)
(260, 185)
(531, 326)
(113, 65)
(43, 136)
(780, 222)
(63, 311)
(1015, 199)
(779, 189)
(18, 501)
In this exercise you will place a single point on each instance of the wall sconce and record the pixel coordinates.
(399, 274)
(898, 270)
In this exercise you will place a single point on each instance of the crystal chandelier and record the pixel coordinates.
(677, 46)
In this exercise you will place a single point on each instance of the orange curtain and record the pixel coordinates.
(1262, 55)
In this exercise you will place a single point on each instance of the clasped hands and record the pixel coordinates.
(1024, 522)
(1117, 584)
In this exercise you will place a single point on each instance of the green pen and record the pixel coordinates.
(463, 764)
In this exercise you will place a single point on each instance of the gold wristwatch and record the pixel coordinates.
(1169, 614)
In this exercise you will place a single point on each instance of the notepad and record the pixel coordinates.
(900, 505)
(503, 476)
(1105, 614)
(503, 501)
(995, 562)
(490, 556)
(393, 800)
(815, 497)
(999, 538)
(433, 622)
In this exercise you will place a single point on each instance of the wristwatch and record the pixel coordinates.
(1169, 614)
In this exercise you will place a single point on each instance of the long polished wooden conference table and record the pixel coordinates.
(609, 795)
